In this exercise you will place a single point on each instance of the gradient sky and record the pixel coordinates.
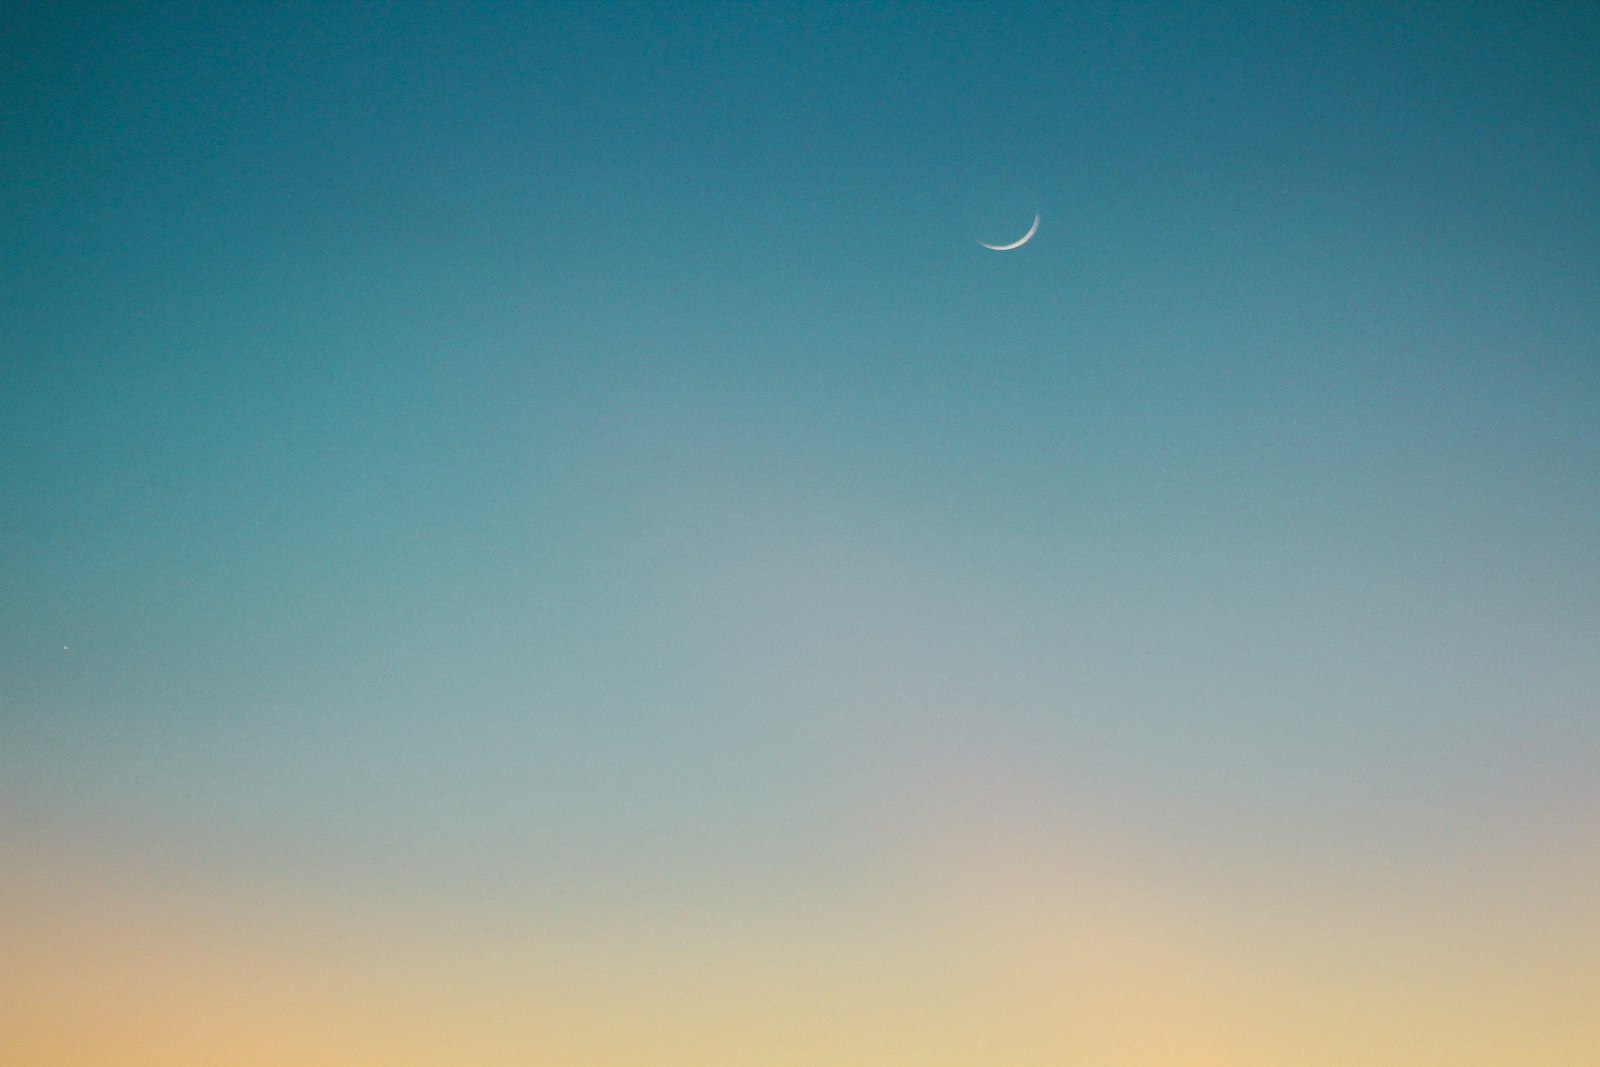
(536, 534)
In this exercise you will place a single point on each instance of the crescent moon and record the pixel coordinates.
(1016, 244)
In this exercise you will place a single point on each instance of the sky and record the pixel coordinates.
(538, 534)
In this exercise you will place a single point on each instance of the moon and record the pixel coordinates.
(1016, 244)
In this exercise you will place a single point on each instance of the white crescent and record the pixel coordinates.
(1016, 244)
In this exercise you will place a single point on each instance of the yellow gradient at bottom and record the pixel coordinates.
(992, 956)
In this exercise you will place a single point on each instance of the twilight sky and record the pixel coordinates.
(536, 533)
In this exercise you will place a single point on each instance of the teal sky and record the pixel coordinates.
(560, 438)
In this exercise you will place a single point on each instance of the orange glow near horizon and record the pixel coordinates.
(988, 948)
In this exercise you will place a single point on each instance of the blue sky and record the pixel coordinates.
(593, 434)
